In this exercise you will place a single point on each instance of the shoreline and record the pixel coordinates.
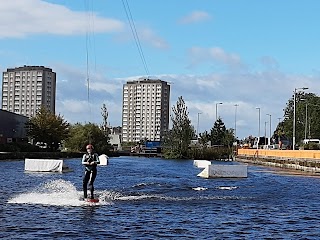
(303, 167)
(10, 156)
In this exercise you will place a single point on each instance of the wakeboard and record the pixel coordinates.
(90, 200)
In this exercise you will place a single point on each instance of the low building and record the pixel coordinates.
(12, 127)
(115, 141)
(115, 138)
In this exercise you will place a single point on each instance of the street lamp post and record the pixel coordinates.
(235, 121)
(269, 140)
(305, 127)
(259, 129)
(217, 109)
(294, 116)
(198, 125)
(307, 133)
(265, 133)
(279, 131)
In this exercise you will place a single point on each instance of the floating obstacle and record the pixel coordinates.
(201, 163)
(45, 165)
(103, 160)
(224, 171)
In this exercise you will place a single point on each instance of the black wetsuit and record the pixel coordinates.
(90, 173)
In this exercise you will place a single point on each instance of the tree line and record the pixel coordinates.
(218, 142)
(54, 132)
(307, 125)
(210, 145)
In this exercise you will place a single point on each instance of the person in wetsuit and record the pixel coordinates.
(90, 161)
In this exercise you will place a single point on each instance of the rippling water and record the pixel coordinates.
(149, 198)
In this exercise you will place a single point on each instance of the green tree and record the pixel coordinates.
(279, 132)
(46, 127)
(178, 139)
(105, 114)
(218, 132)
(229, 137)
(205, 137)
(81, 135)
(303, 99)
(220, 135)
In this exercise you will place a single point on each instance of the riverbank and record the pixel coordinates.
(44, 155)
(303, 161)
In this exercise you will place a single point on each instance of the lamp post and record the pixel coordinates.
(269, 140)
(259, 129)
(217, 109)
(294, 116)
(198, 125)
(235, 121)
(265, 133)
(305, 127)
(308, 122)
(279, 130)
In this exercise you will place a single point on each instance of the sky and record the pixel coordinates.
(249, 53)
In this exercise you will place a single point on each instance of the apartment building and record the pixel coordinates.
(25, 89)
(145, 111)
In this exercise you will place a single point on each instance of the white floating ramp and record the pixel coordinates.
(44, 165)
(103, 160)
(201, 163)
(224, 171)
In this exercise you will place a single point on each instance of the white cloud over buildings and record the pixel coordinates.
(22, 18)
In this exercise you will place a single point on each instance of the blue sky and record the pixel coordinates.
(245, 52)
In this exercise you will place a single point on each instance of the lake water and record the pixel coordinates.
(150, 198)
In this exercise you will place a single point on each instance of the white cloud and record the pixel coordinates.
(146, 35)
(209, 81)
(21, 18)
(73, 106)
(185, 82)
(106, 87)
(72, 95)
(149, 36)
(194, 17)
(269, 89)
(269, 62)
(199, 55)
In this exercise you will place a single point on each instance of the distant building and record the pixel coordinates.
(12, 127)
(25, 89)
(116, 130)
(115, 141)
(115, 137)
(145, 111)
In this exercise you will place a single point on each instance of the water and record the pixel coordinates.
(149, 198)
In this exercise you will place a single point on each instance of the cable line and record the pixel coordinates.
(89, 30)
(135, 35)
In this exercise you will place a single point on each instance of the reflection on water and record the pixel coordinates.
(154, 198)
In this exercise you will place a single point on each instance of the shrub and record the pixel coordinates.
(311, 146)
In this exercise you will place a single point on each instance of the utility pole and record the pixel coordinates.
(265, 133)
(294, 116)
(217, 109)
(259, 129)
(269, 141)
(235, 121)
(198, 125)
